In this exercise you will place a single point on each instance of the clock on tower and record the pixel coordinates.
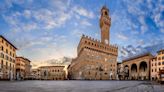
(105, 23)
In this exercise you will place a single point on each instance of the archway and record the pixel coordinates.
(134, 72)
(143, 70)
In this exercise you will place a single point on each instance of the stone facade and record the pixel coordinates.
(7, 59)
(52, 72)
(137, 67)
(20, 68)
(36, 74)
(27, 68)
(96, 60)
(157, 64)
(23, 68)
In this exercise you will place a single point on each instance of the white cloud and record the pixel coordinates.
(150, 6)
(18, 25)
(146, 9)
(63, 18)
(28, 41)
(5, 4)
(157, 15)
(47, 47)
(50, 19)
(54, 16)
(140, 42)
(83, 12)
(85, 22)
(143, 29)
(143, 24)
(78, 33)
(44, 47)
(134, 9)
(29, 26)
(69, 2)
(61, 5)
(162, 30)
(37, 19)
(122, 37)
(27, 13)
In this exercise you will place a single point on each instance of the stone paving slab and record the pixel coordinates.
(80, 86)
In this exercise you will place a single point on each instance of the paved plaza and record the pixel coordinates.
(80, 86)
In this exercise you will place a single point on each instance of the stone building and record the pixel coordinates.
(52, 72)
(137, 67)
(36, 74)
(7, 59)
(20, 68)
(157, 63)
(23, 68)
(27, 68)
(96, 60)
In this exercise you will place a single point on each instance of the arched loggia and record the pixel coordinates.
(143, 70)
(126, 71)
(133, 71)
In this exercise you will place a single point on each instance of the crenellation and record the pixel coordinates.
(89, 38)
(86, 36)
(98, 46)
(83, 35)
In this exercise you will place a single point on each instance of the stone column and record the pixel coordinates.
(148, 70)
(138, 70)
(130, 71)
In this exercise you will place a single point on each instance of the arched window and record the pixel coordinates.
(106, 13)
(7, 51)
(163, 58)
(1, 63)
(2, 48)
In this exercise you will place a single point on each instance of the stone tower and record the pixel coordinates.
(105, 23)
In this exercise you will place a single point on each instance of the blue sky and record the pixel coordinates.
(47, 29)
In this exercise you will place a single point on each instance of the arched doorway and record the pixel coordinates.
(126, 72)
(143, 70)
(134, 72)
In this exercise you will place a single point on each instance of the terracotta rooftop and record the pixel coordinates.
(160, 50)
(137, 56)
(23, 58)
